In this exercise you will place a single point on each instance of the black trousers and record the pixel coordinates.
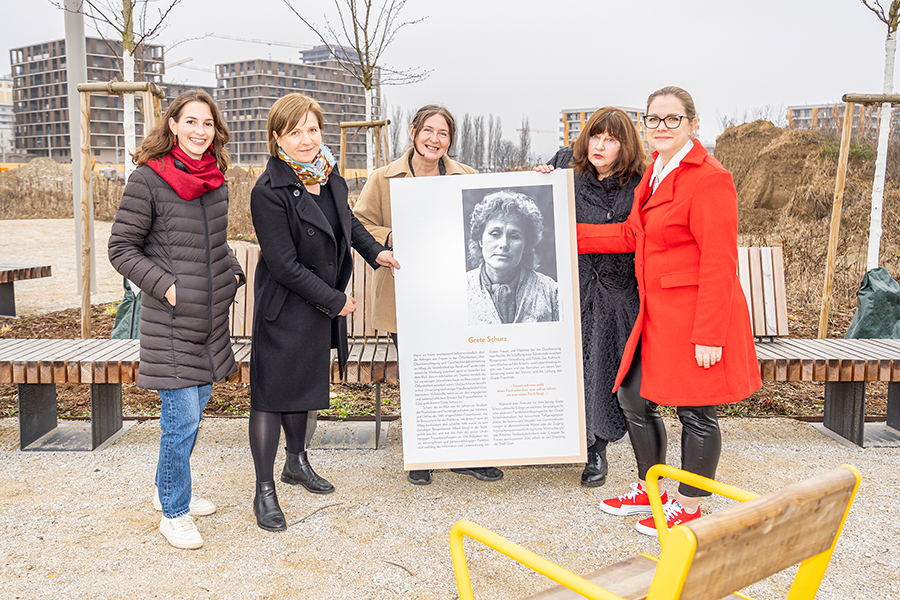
(701, 439)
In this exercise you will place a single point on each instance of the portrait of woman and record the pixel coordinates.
(431, 136)
(170, 238)
(305, 230)
(691, 346)
(608, 159)
(504, 286)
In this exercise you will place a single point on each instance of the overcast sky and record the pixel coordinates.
(524, 57)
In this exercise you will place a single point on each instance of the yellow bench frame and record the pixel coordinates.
(798, 523)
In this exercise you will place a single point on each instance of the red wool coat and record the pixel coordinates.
(684, 238)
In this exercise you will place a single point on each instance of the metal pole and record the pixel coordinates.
(835, 220)
(76, 70)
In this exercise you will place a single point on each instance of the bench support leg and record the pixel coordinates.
(7, 300)
(37, 411)
(845, 409)
(106, 411)
(893, 405)
(377, 414)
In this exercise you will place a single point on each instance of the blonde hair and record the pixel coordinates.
(683, 96)
(286, 113)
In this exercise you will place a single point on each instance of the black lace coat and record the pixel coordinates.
(609, 299)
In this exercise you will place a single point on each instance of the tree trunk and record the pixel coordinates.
(370, 146)
(884, 133)
(128, 76)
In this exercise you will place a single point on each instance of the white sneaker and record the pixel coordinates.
(199, 507)
(181, 532)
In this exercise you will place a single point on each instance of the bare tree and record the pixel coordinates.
(524, 141)
(478, 143)
(495, 134)
(890, 50)
(120, 16)
(466, 143)
(368, 27)
(507, 155)
(772, 113)
(396, 130)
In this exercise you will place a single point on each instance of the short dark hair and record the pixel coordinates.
(505, 203)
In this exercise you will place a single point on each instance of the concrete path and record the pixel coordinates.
(80, 525)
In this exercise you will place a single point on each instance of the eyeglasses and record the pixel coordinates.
(671, 121)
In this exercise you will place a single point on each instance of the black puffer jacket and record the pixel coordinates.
(159, 239)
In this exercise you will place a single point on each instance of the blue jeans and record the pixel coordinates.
(179, 420)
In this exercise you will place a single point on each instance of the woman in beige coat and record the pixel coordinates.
(431, 132)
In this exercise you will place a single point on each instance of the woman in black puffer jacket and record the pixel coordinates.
(609, 160)
(169, 237)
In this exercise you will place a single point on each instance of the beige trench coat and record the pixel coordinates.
(373, 209)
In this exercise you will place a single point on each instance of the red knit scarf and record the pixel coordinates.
(202, 175)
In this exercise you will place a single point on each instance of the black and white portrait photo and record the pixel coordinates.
(510, 255)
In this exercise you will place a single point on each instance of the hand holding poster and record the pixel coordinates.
(487, 308)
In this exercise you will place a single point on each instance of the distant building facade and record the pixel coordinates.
(246, 90)
(40, 101)
(831, 117)
(7, 118)
(572, 120)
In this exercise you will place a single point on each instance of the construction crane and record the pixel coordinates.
(255, 41)
(180, 63)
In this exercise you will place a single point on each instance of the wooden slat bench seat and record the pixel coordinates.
(843, 365)
(372, 357)
(9, 274)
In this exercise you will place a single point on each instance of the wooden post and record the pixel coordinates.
(387, 154)
(377, 146)
(85, 214)
(343, 160)
(835, 220)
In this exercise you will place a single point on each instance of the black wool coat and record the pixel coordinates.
(300, 281)
(159, 239)
(609, 299)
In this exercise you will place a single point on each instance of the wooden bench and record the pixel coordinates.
(843, 365)
(36, 366)
(9, 274)
(372, 356)
(709, 558)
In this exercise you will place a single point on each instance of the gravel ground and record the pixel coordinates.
(80, 525)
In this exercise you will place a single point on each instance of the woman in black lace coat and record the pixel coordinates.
(608, 159)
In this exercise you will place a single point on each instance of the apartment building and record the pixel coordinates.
(246, 90)
(40, 101)
(572, 120)
(831, 117)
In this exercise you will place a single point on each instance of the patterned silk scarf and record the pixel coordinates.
(503, 295)
(315, 172)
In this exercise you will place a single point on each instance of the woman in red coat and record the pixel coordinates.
(691, 346)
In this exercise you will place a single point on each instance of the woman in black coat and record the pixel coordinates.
(609, 160)
(305, 231)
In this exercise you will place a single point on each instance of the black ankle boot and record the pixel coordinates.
(265, 507)
(298, 470)
(594, 474)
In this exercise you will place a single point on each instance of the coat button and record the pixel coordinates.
(591, 306)
(312, 268)
(609, 215)
(331, 264)
(594, 275)
(296, 193)
(311, 231)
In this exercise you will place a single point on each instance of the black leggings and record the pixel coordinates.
(265, 433)
(701, 440)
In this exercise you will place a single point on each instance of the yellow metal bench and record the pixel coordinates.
(843, 365)
(710, 558)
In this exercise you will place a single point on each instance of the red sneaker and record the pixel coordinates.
(675, 515)
(635, 502)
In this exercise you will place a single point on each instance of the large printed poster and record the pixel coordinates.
(488, 320)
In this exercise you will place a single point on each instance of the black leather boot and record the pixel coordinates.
(265, 507)
(298, 470)
(594, 474)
